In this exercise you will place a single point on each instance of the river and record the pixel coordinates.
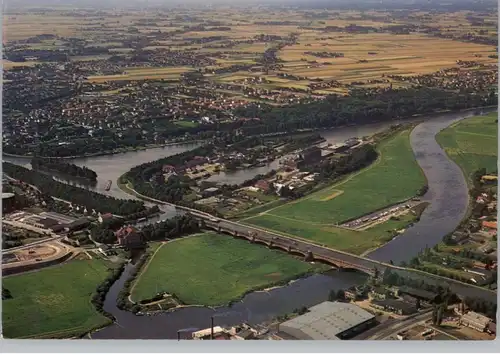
(448, 195)
(256, 307)
(111, 167)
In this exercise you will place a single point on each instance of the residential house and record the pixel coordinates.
(211, 191)
(104, 217)
(395, 306)
(489, 179)
(263, 185)
(355, 293)
(422, 295)
(378, 293)
(77, 225)
(492, 328)
(129, 237)
(489, 226)
(459, 238)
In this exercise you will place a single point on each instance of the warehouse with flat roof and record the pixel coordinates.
(328, 321)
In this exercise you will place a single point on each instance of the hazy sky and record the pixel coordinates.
(96, 4)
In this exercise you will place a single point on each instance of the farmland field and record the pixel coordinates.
(212, 269)
(472, 143)
(365, 56)
(53, 302)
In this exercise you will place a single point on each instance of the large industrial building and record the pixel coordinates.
(327, 321)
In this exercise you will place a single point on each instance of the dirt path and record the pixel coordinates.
(141, 272)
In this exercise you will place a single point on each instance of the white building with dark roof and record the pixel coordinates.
(328, 321)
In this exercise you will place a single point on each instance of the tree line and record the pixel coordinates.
(444, 294)
(170, 229)
(91, 200)
(64, 167)
(361, 106)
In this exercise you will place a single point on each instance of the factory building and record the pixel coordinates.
(327, 321)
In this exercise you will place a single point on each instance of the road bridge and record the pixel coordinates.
(314, 252)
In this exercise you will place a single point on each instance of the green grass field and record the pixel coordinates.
(355, 242)
(212, 269)
(53, 302)
(472, 143)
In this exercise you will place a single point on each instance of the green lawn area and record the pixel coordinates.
(211, 269)
(472, 143)
(355, 242)
(53, 302)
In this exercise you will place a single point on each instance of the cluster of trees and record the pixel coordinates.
(395, 279)
(336, 295)
(14, 239)
(361, 106)
(103, 234)
(100, 295)
(171, 228)
(481, 306)
(356, 160)
(64, 167)
(91, 200)
(444, 296)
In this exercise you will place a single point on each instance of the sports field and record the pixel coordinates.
(472, 143)
(211, 269)
(53, 302)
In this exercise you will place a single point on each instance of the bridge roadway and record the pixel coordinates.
(299, 246)
(295, 245)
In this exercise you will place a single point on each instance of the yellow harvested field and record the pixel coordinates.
(389, 54)
(142, 74)
(7, 64)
